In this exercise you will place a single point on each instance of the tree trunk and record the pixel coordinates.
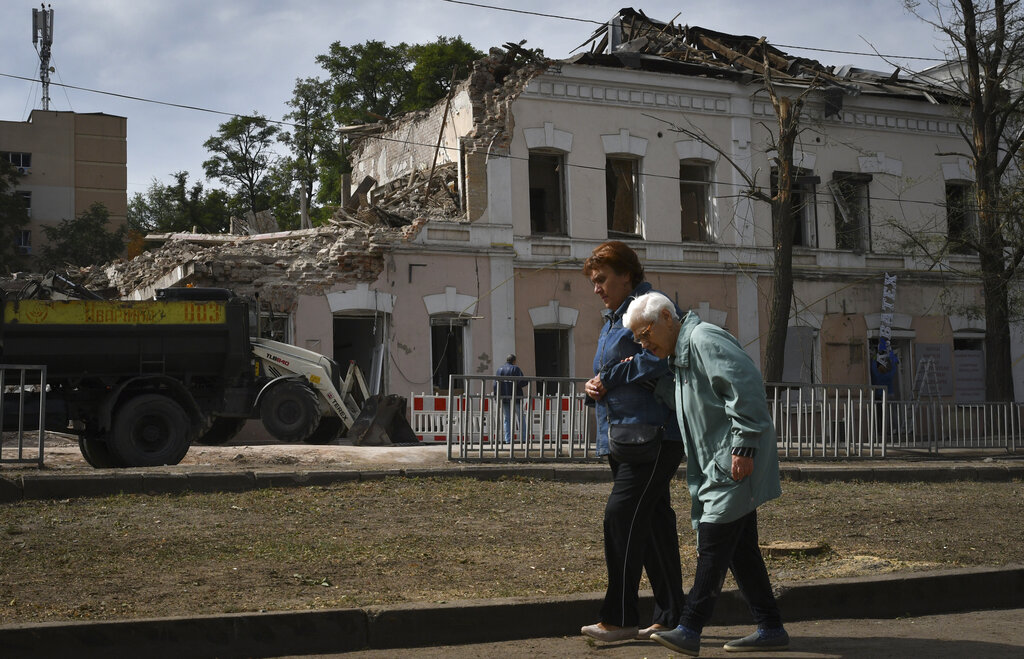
(782, 229)
(995, 281)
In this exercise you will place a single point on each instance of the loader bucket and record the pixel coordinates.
(382, 422)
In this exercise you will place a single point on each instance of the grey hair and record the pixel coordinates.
(645, 309)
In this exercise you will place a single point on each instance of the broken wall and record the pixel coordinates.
(476, 122)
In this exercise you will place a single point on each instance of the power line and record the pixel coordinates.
(145, 100)
(605, 23)
(408, 142)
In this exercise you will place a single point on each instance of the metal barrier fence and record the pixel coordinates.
(548, 421)
(858, 421)
(20, 392)
(551, 421)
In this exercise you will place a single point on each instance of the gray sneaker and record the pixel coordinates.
(681, 639)
(763, 640)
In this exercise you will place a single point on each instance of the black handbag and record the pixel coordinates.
(635, 443)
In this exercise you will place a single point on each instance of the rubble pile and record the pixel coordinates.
(495, 82)
(279, 267)
(420, 194)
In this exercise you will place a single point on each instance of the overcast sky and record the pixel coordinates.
(245, 55)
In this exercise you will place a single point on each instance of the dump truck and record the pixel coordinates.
(139, 381)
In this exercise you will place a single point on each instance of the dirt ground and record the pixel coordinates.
(428, 540)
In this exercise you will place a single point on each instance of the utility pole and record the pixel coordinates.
(42, 32)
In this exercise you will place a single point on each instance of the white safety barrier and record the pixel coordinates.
(548, 420)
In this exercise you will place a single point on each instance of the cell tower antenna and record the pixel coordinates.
(42, 33)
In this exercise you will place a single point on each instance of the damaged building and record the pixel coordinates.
(466, 239)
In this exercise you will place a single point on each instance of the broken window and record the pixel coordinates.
(961, 220)
(275, 326)
(621, 177)
(446, 350)
(695, 200)
(547, 193)
(551, 356)
(852, 210)
(361, 339)
(802, 210)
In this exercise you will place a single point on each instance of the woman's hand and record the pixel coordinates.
(741, 467)
(594, 388)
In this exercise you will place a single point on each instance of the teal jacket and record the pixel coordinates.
(720, 404)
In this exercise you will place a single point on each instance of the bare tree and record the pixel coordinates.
(985, 64)
(780, 197)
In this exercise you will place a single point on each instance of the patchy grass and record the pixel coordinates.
(436, 540)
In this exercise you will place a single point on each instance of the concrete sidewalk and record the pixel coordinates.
(990, 634)
(500, 621)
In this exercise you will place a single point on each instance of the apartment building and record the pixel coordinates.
(67, 162)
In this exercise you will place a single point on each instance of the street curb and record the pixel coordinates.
(430, 624)
(113, 482)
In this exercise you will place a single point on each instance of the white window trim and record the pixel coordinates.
(548, 137)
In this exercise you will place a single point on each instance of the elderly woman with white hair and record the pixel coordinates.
(732, 466)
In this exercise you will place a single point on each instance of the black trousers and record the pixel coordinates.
(640, 534)
(730, 546)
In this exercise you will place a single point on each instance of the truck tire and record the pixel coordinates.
(327, 431)
(96, 452)
(150, 430)
(221, 430)
(289, 411)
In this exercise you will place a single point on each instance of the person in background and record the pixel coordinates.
(732, 466)
(639, 522)
(510, 393)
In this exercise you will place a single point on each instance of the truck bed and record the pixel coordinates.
(111, 339)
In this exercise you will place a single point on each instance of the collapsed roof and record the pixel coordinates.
(632, 40)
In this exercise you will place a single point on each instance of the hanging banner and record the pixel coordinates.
(885, 319)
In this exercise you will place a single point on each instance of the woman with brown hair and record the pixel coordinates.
(639, 522)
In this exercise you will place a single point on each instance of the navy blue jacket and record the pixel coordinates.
(504, 387)
(630, 385)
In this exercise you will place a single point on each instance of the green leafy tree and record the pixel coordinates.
(371, 81)
(241, 157)
(433, 66)
(178, 207)
(278, 188)
(311, 138)
(82, 241)
(368, 81)
(13, 219)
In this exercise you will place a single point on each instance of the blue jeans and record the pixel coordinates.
(730, 546)
(506, 418)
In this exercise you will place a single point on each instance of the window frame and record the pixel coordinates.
(841, 185)
(702, 225)
(24, 158)
(542, 228)
(968, 222)
(611, 200)
(804, 204)
(450, 321)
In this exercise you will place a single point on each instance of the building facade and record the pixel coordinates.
(67, 161)
(585, 152)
